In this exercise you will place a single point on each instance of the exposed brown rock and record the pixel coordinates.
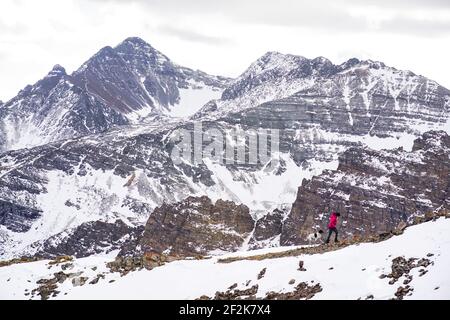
(61, 259)
(302, 291)
(402, 267)
(236, 294)
(97, 278)
(47, 287)
(261, 273)
(148, 260)
(301, 266)
(19, 260)
(196, 226)
(402, 291)
(233, 286)
(79, 281)
(376, 192)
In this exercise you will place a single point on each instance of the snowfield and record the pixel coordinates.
(349, 273)
(192, 99)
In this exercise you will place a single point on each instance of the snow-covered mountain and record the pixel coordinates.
(134, 77)
(361, 88)
(53, 109)
(117, 86)
(54, 191)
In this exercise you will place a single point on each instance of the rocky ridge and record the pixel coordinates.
(117, 86)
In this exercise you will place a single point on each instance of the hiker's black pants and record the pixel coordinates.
(330, 231)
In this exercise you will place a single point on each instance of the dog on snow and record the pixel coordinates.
(314, 237)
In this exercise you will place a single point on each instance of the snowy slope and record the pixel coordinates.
(192, 99)
(355, 272)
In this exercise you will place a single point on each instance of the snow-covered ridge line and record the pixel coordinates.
(276, 76)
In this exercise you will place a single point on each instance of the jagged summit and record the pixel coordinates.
(350, 63)
(142, 56)
(273, 67)
(356, 83)
(136, 41)
(57, 70)
(290, 64)
(273, 61)
(128, 83)
(41, 88)
(299, 66)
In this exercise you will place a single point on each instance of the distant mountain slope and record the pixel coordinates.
(359, 88)
(117, 86)
(53, 109)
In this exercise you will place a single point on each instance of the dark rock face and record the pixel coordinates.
(107, 76)
(162, 78)
(197, 226)
(90, 238)
(267, 228)
(269, 225)
(17, 218)
(374, 191)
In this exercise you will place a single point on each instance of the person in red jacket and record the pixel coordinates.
(332, 226)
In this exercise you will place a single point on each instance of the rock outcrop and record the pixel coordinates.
(90, 238)
(267, 229)
(375, 191)
(196, 226)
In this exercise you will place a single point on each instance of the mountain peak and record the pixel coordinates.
(136, 41)
(271, 56)
(139, 53)
(108, 50)
(274, 60)
(57, 70)
(321, 60)
(368, 63)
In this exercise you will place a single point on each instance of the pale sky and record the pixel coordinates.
(223, 36)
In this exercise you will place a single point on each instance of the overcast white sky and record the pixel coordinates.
(223, 36)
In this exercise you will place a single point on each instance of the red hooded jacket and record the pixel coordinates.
(333, 221)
